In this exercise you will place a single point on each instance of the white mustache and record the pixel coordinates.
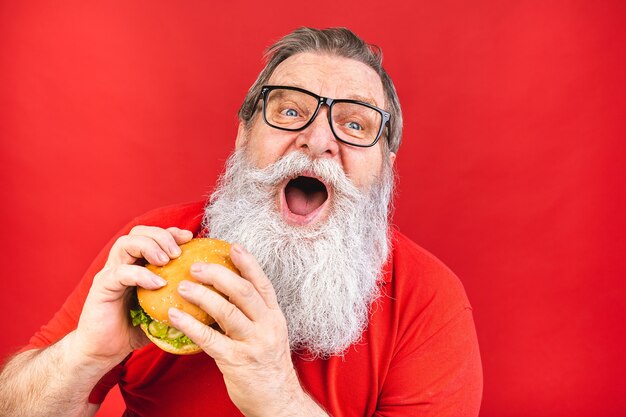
(295, 164)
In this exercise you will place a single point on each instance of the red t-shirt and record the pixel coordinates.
(418, 356)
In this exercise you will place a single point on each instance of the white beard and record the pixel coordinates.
(326, 276)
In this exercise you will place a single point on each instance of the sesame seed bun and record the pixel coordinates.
(156, 303)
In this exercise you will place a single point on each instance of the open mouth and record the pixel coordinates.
(304, 199)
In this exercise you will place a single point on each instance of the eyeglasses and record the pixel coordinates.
(351, 121)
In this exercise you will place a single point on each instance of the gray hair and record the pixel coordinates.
(336, 41)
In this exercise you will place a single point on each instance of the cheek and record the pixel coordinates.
(266, 147)
(363, 168)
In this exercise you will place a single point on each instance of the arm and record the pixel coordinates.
(253, 354)
(50, 374)
(57, 380)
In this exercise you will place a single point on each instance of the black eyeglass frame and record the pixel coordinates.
(266, 89)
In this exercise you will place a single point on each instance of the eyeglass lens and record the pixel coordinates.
(351, 122)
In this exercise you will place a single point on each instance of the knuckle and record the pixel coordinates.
(162, 234)
(245, 356)
(165, 238)
(136, 230)
(279, 322)
(265, 286)
(116, 270)
(247, 290)
(199, 291)
(228, 312)
(120, 242)
(103, 274)
(107, 273)
(110, 278)
(127, 242)
(206, 336)
(118, 273)
(153, 232)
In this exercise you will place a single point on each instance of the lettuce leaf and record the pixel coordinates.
(139, 316)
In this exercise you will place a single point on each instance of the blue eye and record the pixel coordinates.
(291, 113)
(354, 126)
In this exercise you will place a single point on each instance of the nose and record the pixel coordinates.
(317, 140)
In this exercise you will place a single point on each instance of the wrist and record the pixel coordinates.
(300, 403)
(88, 367)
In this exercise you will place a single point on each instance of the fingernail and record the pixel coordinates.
(197, 267)
(239, 249)
(158, 280)
(175, 250)
(163, 257)
(184, 286)
(174, 313)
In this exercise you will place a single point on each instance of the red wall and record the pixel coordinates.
(512, 168)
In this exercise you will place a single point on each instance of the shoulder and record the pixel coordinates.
(407, 252)
(420, 278)
(185, 216)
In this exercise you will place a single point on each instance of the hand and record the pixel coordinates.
(104, 332)
(253, 353)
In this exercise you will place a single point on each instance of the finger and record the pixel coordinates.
(234, 323)
(162, 237)
(115, 281)
(210, 340)
(180, 235)
(252, 271)
(240, 292)
(128, 249)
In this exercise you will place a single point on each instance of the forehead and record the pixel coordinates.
(330, 76)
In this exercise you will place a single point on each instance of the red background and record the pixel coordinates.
(512, 167)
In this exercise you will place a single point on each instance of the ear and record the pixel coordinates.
(241, 136)
(392, 158)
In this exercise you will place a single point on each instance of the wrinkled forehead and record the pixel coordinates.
(330, 76)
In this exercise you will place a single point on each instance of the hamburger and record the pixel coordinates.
(152, 305)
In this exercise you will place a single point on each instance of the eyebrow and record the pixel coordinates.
(363, 99)
(357, 97)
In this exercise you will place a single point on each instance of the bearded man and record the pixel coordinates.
(334, 312)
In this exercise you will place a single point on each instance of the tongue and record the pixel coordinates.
(303, 202)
